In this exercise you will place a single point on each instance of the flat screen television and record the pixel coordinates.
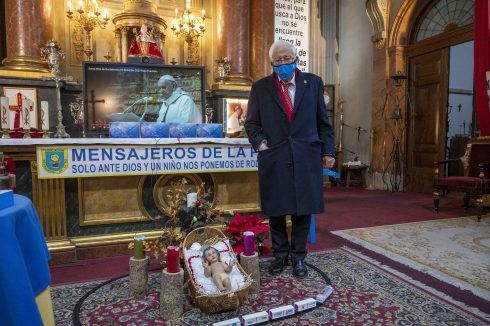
(129, 92)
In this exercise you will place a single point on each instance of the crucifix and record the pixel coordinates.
(54, 55)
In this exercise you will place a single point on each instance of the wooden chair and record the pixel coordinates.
(476, 179)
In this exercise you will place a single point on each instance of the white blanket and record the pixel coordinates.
(205, 285)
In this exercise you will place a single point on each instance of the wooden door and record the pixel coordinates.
(427, 117)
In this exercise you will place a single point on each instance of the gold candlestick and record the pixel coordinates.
(27, 133)
(45, 133)
(5, 133)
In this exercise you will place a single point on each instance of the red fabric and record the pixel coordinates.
(9, 164)
(19, 133)
(480, 153)
(18, 109)
(467, 182)
(135, 50)
(17, 119)
(288, 103)
(286, 99)
(482, 63)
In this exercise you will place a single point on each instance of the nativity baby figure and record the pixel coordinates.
(218, 270)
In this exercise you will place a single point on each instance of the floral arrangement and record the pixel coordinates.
(241, 223)
(183, 219)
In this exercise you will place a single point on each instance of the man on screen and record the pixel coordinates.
(177, 106)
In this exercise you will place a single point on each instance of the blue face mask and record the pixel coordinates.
(285, 71)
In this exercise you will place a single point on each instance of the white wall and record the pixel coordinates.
(356, 69)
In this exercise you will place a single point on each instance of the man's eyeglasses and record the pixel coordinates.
(283, 61)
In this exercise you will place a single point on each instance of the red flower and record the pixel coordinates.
(198, 203)
(242, 223)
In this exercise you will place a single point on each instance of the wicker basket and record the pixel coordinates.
(214, 303)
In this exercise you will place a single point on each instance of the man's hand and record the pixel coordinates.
(263, 146)
(328, 161)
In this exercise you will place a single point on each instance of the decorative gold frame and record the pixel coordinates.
(163, 181)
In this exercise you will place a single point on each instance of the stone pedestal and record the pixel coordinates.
(138, 276)
(172, 295)
(250, 265)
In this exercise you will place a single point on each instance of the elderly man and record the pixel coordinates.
(287, 124)
(177, 106)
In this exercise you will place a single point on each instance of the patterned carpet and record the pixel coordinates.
(364, 294)
(455, 250)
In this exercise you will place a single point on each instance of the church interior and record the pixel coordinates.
(102, 203)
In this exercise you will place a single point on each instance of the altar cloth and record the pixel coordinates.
(24, 256)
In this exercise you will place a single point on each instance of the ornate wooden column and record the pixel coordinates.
(234, 38)
(29, 27)
(261, 37)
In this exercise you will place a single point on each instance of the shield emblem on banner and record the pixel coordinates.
(55, 160)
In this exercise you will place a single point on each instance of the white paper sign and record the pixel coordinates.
(292, 24)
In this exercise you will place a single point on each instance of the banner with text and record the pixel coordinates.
(292, 24)
(98, 161)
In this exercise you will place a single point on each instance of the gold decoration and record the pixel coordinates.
(87, 17)
(377, 11)
(189, 27)
(184, 219)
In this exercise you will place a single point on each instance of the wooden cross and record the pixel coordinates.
(93, 102)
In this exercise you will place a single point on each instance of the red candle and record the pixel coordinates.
(173, 265)
(249, 243)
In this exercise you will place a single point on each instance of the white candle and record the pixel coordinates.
(191, 199)
(26, 115)
(44, 115)
(4, 113)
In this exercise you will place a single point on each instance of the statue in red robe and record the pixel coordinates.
(143, 45)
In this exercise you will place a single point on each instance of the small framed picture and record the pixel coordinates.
(234, 115)
(21, 98)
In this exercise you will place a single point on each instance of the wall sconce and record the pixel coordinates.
(398, 78)
(86, 16)
(190, 28)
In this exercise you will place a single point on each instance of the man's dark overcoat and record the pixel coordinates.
(290, 171)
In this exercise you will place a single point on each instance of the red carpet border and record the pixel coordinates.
(365, 293)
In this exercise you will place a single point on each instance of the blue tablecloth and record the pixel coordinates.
(24, 256)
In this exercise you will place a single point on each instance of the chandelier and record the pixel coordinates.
(189, 28)
(87, 16)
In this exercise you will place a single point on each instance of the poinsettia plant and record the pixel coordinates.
(241, 223)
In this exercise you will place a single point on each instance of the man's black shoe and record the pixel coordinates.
(277, 266)
(299, 269)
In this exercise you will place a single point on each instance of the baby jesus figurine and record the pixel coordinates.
(215, 268)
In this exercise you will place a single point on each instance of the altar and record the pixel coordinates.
(96, 193)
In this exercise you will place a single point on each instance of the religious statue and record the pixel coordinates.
(144, 48)
(215, 268)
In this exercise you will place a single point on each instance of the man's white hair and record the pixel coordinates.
(167, 78)
(282, 44)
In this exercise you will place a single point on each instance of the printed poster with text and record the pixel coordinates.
(291, 24)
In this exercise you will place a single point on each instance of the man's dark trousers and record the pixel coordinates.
(299, 235)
